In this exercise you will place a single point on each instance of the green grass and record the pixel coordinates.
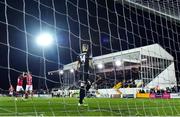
(97, 107)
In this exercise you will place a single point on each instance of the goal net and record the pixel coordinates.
(133, 50)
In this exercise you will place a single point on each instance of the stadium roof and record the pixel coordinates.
(131, 55)
(154, 50)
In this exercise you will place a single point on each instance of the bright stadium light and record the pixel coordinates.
(118, 63)
(44, 39)
(100, 66)
(142, 60)
(72, 70)
(61, 72)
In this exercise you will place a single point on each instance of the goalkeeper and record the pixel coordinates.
(83, 66)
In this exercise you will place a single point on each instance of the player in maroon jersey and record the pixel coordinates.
(19, 87)
(29, 86)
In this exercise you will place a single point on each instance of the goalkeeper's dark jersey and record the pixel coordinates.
(84, 61)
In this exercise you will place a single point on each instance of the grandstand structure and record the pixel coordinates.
(152, 65)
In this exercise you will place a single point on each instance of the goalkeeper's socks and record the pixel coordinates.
(82, 104)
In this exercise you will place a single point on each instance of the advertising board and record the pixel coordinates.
(175, 95)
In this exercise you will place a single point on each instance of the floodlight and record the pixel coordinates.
(100, 66)
(72, 70)
(118, 63)
(143, 59)
(44, 39)
(61, 72)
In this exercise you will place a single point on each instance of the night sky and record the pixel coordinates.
(107, 25)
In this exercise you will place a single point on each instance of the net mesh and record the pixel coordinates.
(169, 8)
(134, 45)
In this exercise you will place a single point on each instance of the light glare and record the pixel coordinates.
(118, 63)
(61, 72)
(72, 70)
(44, 39)
(100, 66)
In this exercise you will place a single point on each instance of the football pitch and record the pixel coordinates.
(96, 107)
